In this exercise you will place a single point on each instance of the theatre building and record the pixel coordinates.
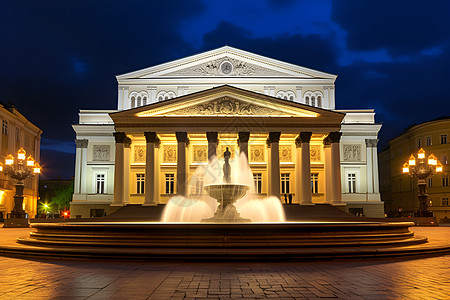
(174, 117)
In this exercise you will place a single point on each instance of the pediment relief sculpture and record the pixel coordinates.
(226, 66)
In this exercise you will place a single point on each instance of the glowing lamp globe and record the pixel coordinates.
(421, 154)
(21, 154)
(405, 168)
(432, 160)
(9, 160)
(439, 167)
(30, 161)
(412, 161)
(1, 167)
(37, 168)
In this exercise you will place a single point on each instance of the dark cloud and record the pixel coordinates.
(402, 27)
(309, 51)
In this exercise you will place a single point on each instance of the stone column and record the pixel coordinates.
(369, 166)
(305, 168)
(126, 170)
(376, 184)
(243, 142)
(182, 177)
(274, 170)
(119, 168)
(80, 166)
(212, 144)
(157, 169)
(327, 170)
(151, 138)
(336, 192)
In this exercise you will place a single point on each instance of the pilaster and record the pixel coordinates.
(274, 170)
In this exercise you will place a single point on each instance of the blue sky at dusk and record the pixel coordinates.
(61, 56)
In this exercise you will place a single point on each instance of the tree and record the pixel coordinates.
(63, 196)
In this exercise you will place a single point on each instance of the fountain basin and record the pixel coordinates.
(226, 194)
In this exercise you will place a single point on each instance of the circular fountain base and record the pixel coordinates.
(144, 240)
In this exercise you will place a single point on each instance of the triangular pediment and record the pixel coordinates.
(226, 62)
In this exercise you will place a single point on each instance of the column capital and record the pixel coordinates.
(303, 137)
(371, 143)
(119, 137)
(182, 137)
(274, 137)
(212, 136)
(150, 137)
(81, 143)
(127, 142)
(244, 136)
(333, 137)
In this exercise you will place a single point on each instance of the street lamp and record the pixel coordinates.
(422, 168)
(19, 170)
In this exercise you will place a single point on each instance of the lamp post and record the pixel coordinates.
(422, 168)
(19, 169)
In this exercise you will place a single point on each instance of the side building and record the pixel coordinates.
(172, 117)
(18, 132)
(400, 191)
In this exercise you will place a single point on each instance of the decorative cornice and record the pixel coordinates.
(81, 143)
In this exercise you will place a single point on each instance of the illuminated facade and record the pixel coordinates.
(174, 117)
(399, 191)
(18, 132)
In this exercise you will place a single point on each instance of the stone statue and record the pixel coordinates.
(226, 166)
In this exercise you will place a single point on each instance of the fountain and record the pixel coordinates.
(235, 225)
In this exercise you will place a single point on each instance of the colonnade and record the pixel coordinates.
(333, 193)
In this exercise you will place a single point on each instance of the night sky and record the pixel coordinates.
(57, 57)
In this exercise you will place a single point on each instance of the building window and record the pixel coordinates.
(133, 102)
(307, 100)
(444, 180)
(444, 201)
(285, 183)
(418, 143)
(170, 183)
(140, 183)
(163, 95)
(17, 134)
(257, 180)
(444, 159)
(198, 187)
(100, 184)
(314, 183)
(430, 182)
(138, 99)
(286, 95)
(351, 180)
(5, 127)
(315, 97)
(313, 101)
(443, 139)
(428, 140)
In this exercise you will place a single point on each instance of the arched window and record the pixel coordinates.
(307, 100)
(286, 95)
(313, 101)
(165, 95)
(138, 99)
(315, 98)
(319, 101)
(133, 102)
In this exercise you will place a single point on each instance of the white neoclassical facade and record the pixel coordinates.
(173, 117)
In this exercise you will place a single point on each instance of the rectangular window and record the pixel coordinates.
(428, 140)
(430, 182)
(257, 180)
(444, 160)
(5, 127)
(285, 183)
(314, 183)
(100, 184)
(443, 139)
(140, 183)
(170, 183)
(198, 187)
(351, 180)
(444, 201)
(418, 143)
(17, 134)
(445, 180)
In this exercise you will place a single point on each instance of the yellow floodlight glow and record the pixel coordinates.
(432, 160)
(412, 160)
(1, 167)
(421, 154)
(30, 161)
(9, 160)
(21, 154)
(439, 167)
(405, 168)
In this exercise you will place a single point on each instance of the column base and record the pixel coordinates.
(116, 204)
(16, 223)
(307, 204)
(149, 204)
(338, 203)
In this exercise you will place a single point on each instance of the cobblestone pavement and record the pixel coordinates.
(420, 278)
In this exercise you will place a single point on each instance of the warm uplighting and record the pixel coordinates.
(421, 154)
(21, 154)
(1, 167)
(405, 168)
(37, 168)
(412, 160)
(439, 167)
(432, 160)
(9, 160)
(30, 161)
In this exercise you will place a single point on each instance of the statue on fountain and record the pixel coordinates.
(226, 194)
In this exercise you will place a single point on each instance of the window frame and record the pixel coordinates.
(257, 182)
(315, 183)
(285, 183)
(140, 183)
(169, 182)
